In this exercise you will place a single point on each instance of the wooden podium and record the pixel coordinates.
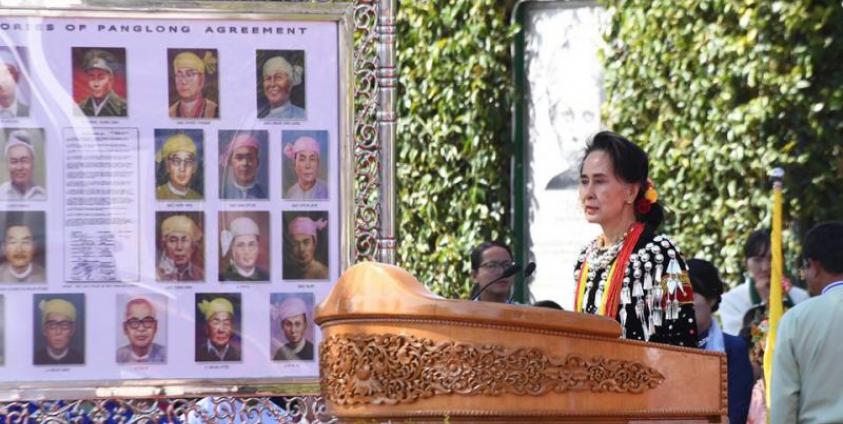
(392, 350)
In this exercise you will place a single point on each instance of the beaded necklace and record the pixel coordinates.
(596, 260)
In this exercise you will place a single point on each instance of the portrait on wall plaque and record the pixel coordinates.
(24, 247)
(59, 329)
(180, 246)
(305, 164)
(99, 81)
(179, 170)
(291, 323)
(23, 168)
(244, 168)
(194, 83)
(305, 245)
(142, 329)
(280, 77)
(14, 86)
(218, 322)
(244, 246)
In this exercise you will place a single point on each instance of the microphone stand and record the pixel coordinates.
(528, 271)
(509, 272)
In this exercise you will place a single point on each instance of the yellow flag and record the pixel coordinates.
(776, 271)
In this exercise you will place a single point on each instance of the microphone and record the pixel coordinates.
(509, 272)
(528, 271)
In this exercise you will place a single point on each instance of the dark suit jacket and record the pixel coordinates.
(73, 357)
(740, 378)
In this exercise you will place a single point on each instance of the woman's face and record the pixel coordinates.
(759, 269)
(494, 261)
(603, 195)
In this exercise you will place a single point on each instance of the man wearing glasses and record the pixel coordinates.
(179, 157)
(189, 72)
(58, 326)
(140, 326)
(489, 260)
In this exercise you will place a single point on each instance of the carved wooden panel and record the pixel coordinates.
(389, 369)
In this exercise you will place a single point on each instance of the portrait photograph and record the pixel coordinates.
(23, 169)
(280, 85)
(193, 83)
(58, 329)
(244, 164)
(100, 81)
(305, 245)
(305, 164)
(218, 326)
(244, 246)
(179, 164)
(180, 246)
(14, 84)
(24, 247)
(291, 325)
(142, 329)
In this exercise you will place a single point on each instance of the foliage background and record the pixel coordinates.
(719, 92)
(453, 138)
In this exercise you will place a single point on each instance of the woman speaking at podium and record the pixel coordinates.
(630, 273)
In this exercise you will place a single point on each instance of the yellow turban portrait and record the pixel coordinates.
(218, 304)
(57, 306)
(181, 224)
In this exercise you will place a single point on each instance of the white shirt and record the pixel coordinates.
(736, 302)
(9, 192)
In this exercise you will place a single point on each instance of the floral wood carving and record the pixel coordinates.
(389, 369)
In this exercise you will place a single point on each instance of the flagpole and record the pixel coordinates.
(774, 304)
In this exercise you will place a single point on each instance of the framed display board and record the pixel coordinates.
(175, 195)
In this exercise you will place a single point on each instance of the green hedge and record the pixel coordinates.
(453, 145)
(720, 91)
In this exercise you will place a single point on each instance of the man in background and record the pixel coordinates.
(806, 379)
(179, 156)
(99, 72)
(219, 330)
(58, 326)
(239, 165)
(140, 325)
(11, 105)
(20, 162)
(180, 240)
(19, 249)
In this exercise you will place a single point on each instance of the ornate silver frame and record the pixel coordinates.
(367, 132)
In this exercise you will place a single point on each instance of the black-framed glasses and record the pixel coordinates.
(64, 325)
(147, 322)
(501, 265)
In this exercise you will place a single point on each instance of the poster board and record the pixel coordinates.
(172, 204)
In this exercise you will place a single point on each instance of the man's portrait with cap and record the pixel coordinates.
(180, 246)
(218, 327)
(305, 164)
(178, 159)
(244, 246)
(142, 321)
(99, 75)
(243, 165)
(194, 92)
(59, 329)
(13, 83)
(306, 245)
(281, 84)
(292, 326)
(23, 244)
(22, 153)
